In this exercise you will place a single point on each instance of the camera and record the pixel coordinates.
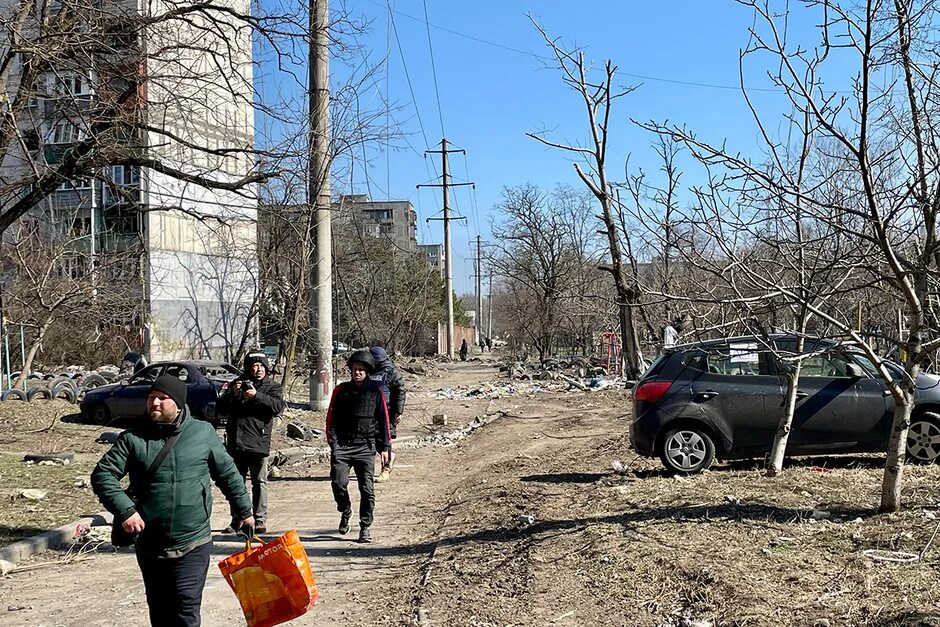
(247, 385)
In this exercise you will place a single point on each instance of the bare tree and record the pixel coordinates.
(885, 149)
(55, 285)
(598, 95)
(539, 256)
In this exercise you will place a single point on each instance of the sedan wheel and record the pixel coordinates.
(923, 441)
(100, 414)
(687, 451)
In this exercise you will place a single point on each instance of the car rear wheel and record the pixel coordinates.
(687, 450)
(923, 439)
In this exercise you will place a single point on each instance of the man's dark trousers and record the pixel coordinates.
(362, 459)
(174, 586)
(255, 465)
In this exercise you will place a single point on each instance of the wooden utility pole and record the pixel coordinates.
(448, 265)
(318, 201)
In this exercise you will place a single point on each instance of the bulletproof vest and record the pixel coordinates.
(380, 377)
(354, 413)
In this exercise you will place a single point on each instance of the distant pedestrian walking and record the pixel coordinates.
(170, 459)
(357, 428)
(489, 344)
(464, 350)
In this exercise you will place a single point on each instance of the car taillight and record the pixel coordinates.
(652, 391)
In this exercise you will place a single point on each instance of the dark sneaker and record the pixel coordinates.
(261, 528)
(365, 536)
(344, 521)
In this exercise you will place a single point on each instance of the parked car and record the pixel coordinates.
(205, 381)
(724, 399)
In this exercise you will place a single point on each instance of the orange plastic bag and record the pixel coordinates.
(273, 581)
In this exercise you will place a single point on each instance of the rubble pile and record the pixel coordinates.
(450, 438)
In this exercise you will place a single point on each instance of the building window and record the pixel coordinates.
(64, 132)
(127, 175)
(74, 85)
(79, 183)
(380, 214)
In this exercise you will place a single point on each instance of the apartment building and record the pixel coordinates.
(393, 220)
(434, 254)
(170, 101)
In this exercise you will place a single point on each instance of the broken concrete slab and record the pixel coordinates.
(19, 551)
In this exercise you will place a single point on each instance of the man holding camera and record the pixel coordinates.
(251, 403)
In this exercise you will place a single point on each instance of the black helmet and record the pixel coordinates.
(363, 357)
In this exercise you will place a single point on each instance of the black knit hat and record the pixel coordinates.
(364, 358)
(257, 357)
(172, 387)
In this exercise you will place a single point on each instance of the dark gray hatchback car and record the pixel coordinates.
(724, 399)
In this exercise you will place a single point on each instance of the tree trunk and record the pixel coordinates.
(31, 354)
(897, 450)
(782, 436)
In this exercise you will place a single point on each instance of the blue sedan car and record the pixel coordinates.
(205, 381)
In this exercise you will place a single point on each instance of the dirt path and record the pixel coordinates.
(105, 588)
(524, 523)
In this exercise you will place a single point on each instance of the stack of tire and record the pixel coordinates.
(68, 387)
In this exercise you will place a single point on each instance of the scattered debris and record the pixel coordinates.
(108, 437)
(6, 568)
(62, 458)
(439, 420)
(32, 494)
(300, 431)
(526, 519)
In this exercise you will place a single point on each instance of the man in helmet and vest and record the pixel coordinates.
(357, 428)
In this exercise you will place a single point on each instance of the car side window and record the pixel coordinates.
(733, 361)
(824, 365)
(178, 371)
(146, 376)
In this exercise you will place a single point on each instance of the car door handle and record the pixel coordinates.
(800, 395)
(706, 395)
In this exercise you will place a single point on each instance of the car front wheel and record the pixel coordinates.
(687, 450)
(923, 439)
(100, 414)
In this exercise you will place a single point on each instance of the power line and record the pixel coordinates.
(529, 53)
(401, 52)
(437, 91)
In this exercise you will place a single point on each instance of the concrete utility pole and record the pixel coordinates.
(489, 313)
(448, 265)
(318, 200)
(479, 322)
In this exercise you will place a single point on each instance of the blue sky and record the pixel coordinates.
(494, 87)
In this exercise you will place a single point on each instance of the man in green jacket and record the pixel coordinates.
(171, 506)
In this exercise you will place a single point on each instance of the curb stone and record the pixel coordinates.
(19, 551)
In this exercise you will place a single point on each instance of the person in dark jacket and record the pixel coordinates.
(356, 429)
(171, 506)
(393, 389)
(464, 350)
(252, 402)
